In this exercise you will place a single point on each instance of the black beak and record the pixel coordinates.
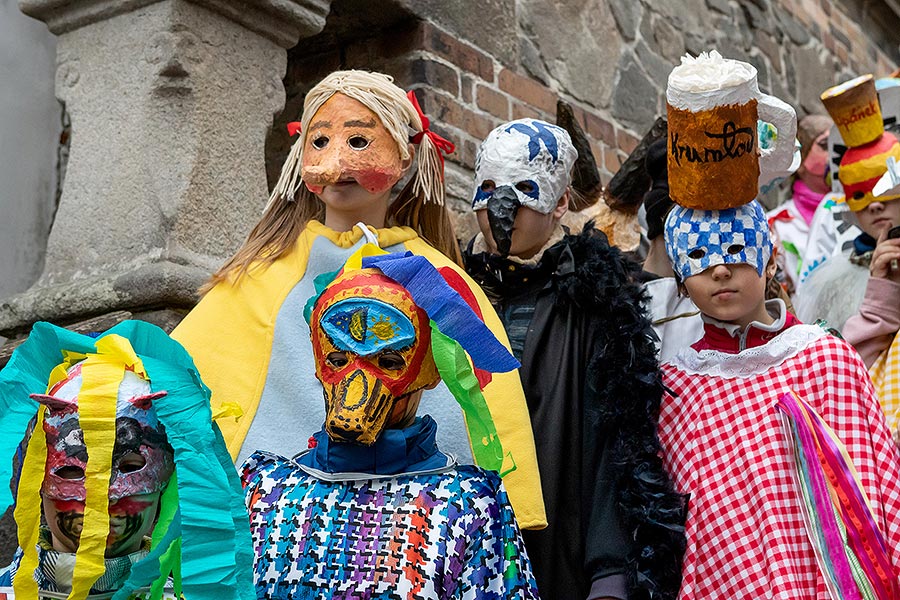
(502, 209)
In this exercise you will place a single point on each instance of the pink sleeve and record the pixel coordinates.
(872, 329)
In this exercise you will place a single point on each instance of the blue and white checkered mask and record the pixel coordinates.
(699, 239)
(525, 151)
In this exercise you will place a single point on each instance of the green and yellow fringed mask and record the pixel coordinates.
(201, 540)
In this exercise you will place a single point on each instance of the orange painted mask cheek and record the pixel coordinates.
(347, 143)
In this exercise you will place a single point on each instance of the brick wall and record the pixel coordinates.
(800, 47)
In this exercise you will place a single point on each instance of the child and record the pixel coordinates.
(873, 330)
(748, 527)
(573, 314)
(248, 334)
(790, 221)
(374, 509)
(834, 291)
(121, 415)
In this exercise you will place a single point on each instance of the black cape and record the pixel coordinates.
(576, 322)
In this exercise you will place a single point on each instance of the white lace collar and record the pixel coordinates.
(751, 362)
(776, 309)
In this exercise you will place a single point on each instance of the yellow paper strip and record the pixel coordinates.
(28, 509)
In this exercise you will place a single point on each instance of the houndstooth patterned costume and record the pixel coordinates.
(723, 444)
(442, 534)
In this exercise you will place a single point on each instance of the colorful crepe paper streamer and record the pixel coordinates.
(850, 548)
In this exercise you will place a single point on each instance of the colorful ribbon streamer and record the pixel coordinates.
(850, 547)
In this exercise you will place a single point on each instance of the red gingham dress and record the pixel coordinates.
(723, 444)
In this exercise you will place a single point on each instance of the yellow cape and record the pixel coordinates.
(230, 333)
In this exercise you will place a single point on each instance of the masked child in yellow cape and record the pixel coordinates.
(359, 135)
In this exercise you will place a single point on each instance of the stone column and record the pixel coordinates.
(170, 102)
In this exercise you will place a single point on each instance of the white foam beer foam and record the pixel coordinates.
(709, 80)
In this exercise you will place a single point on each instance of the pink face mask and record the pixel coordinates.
(346, 144)
(816, 161)
(142, 461)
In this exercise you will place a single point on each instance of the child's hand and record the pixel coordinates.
(886, 257)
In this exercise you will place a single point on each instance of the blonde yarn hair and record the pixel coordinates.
(420, 205)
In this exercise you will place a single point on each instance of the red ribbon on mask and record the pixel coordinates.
(293, 128)
(443, 145)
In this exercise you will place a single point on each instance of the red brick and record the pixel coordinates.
(610, 160)
(492, 102)
(465, 88)
(580, 117)
(841, 53)
(521, 111)
(625, 141)
(528, 90)
(443, 110)
(309, 71)
(465, 151)
(435, 74)
(600, 129)
(467, 57)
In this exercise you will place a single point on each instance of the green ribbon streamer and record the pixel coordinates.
(456, 372)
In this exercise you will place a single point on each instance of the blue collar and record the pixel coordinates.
(395, 451)
(864, 243)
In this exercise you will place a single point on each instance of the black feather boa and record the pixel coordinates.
(604, 282)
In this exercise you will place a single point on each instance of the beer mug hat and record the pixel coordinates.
(714, 106)
(699, 239)
(525, 150)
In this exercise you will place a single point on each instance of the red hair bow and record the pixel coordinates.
(293, 128)
(443, 145)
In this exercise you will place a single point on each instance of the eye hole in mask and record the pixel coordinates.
(391, 361)
(69, 472)
(526, 187)
(487, 186)
(337, 359)
(131, 463)
(320, 142)
(858, 195)
(358, 142)
(735, 249)
(697, 253)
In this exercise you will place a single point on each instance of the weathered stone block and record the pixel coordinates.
(627, 15)
(796, 32)
(532, 60)
(686, 15)
(722, 6)
(758, 15)
(657, 67)
(170, 103)
(815, 72)
(579, 43)
(668, 41)
(636, 96)
(491, 25)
